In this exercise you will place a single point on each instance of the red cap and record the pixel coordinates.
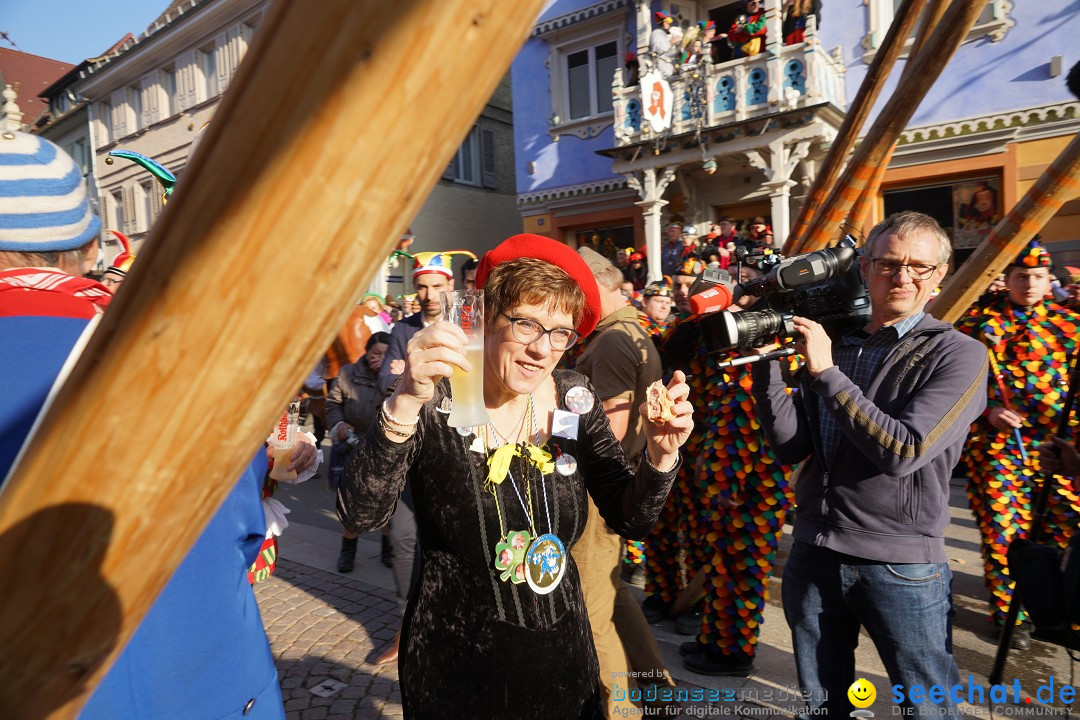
(556, 253)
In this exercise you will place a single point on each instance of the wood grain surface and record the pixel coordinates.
(342, 117)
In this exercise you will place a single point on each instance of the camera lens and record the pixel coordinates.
(749, 328)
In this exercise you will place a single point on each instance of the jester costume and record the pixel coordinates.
(726, 460)
(1032, 347)
(748, 37)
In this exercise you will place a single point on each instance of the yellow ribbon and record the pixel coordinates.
(541, 458)
(499, 461)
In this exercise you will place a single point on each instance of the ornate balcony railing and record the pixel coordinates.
(710, 96)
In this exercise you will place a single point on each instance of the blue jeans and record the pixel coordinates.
(906, 609)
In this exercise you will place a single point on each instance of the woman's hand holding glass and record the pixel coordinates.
(431, 355)
(665, 438)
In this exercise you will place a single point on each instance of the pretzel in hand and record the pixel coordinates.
(658, 404)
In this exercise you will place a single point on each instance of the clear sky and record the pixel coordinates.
(72, 30)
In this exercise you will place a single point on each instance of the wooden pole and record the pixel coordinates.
(884, 60)
(1059, 184)
(862, 210)
(892, 120)
(339, 122)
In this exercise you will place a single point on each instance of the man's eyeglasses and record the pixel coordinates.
(919, 271)
(529, 331)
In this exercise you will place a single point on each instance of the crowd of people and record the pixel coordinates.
(676, 47)
(512, 543)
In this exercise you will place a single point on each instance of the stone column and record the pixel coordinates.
(650, 185)
(780, 197)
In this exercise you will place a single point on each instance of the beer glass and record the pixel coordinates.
(465, 308)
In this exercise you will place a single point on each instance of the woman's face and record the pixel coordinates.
(511, 365)
(375, 356)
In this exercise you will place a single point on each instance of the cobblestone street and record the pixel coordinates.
(325, 629)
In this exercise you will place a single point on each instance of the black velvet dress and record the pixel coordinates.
(475, 646)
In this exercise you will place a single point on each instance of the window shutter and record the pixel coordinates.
(151, 101)
(132, 210)
(106, 215)
(221, 51)
(488, 174)
(235, 55)
(102, 115)
(186, 95)
(119, 114)
(243, 42)
(156, 205)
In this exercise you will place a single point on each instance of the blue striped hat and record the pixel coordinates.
(43, 201)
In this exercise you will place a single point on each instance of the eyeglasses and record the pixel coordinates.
(529, 331)
(919, 271)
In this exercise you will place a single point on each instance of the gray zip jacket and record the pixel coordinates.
(885, 496)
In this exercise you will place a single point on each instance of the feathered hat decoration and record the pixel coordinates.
(122, 262)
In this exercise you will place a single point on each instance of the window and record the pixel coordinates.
(116, 200)
(135, 116)
(80, 154)
(993, 22)
(588, 74)
(967, 208)
(208, 72)
(103, 123)
(583, 60)
(168, 85)
(466, 163)
(474, 163)
(145, 195)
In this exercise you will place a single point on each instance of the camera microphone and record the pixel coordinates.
(716, 298)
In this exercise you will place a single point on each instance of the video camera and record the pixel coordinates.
(825, 285)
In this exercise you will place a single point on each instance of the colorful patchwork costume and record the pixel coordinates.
(1032, 347)
(726, 459)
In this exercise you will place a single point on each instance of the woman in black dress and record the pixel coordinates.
(496, 627)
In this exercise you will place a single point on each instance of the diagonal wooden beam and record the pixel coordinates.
(340, 120)
(876, 75)
(1056, 186)
(891, 121)
(863, 208)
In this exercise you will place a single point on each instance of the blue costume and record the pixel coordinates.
(201, 651)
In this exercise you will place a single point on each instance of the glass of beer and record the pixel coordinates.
(465, 308)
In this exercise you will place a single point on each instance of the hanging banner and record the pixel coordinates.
(656, 101)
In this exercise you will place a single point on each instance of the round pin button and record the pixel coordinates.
(580, 400)
(566, 464)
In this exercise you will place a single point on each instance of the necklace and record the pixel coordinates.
(524, 556)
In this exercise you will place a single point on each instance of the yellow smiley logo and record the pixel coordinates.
(862, 693)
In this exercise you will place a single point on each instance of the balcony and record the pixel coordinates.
(782, 78)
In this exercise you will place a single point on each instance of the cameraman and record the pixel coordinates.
(881, 418)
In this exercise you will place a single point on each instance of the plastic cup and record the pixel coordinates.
(465, 308)
(285, 442)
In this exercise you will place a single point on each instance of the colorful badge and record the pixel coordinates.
(445, 406)
(510, 556)
(545, 563)
(566, 464)
(580, 400)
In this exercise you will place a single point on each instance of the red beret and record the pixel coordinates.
(556, 253)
